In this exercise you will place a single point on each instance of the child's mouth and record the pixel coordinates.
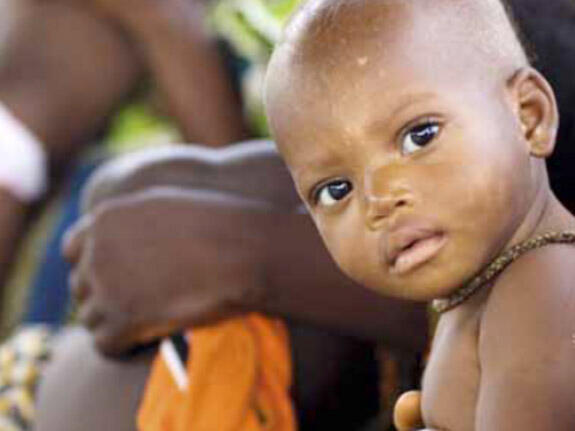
(416, 252)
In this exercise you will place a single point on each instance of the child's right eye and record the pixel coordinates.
(333, 192)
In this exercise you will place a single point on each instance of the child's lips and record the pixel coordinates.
(411, 247)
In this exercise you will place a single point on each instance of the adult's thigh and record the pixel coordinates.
(81, 390)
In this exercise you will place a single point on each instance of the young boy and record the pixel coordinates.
(417, 132)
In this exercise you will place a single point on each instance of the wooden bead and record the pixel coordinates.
(407, 411)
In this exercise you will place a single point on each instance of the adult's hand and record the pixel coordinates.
(149, 264)
(164, 259)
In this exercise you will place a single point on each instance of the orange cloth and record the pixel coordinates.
(239, 375)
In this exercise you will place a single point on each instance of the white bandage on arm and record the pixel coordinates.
(23, 166)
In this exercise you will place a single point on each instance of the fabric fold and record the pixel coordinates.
(239, 373)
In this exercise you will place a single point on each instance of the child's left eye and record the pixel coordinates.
(418, 137)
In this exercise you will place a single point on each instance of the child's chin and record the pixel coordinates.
(425, 289)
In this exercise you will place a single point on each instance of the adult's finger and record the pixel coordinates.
(78, 285)
(112, 339)
(90, 315)
(75, 238)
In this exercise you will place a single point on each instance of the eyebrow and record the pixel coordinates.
(306, 175)
(405, 102)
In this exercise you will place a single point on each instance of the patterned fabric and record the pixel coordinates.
(22, 359)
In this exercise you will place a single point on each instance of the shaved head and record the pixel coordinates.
(326, 37)
(412, 111)
(486, 23)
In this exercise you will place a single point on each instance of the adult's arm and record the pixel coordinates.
(305, 283)
(183, 58)
(63, 70)
(12, 218)
(81, 390)
(166, 259)
(61, 73)
(149, 263)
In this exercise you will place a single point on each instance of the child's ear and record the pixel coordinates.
(536, 109)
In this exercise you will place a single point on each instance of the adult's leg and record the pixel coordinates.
(335, 384)
(81, 390)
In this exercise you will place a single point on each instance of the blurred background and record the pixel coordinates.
(84, 81)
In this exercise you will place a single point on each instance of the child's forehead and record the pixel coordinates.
(341, 51)
(341, 23)
(327, 35)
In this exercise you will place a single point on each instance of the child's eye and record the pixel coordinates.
(331, 193)
(418, 137)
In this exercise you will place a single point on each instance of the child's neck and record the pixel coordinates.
(488, 274)
(545, 214)
(547, 222)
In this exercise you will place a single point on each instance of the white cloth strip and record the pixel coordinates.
(174, 363)
(23, 165)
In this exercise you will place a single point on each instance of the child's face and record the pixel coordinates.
(411, 162)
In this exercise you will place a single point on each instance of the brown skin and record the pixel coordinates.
(413, 162)
(211, 195)
(176, 49)
(228, 258)
(61, 89)
(63, 72)
(12, 219)
(81, 390)
(239, 169)
(174, 41)
(67, 65)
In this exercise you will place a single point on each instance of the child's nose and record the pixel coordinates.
(384, 194)
(380, 208)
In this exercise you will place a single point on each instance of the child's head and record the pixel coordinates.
(415, 132)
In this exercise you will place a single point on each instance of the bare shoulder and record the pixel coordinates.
(529, 317)
(526, 345)
(540, 284)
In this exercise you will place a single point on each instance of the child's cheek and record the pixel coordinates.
(349, 242)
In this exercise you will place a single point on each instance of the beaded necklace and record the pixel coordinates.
(497, 266)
